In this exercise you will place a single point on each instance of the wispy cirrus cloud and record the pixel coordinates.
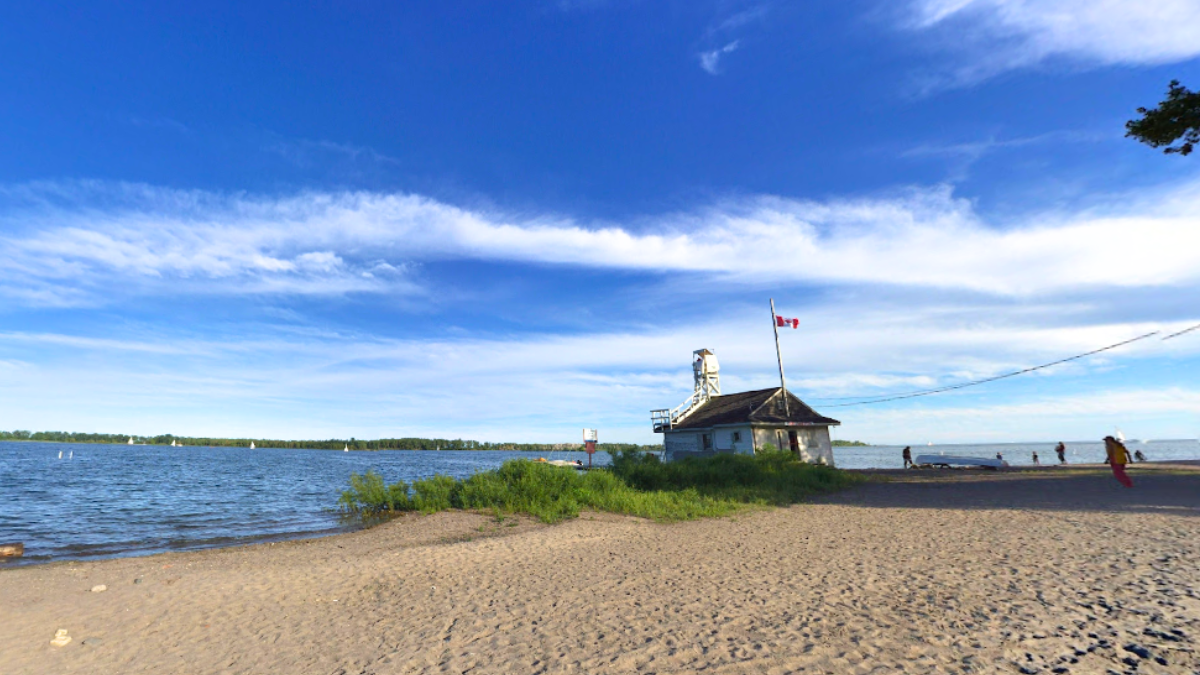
(741, 19)
(710, 61)
(974, 150)
(1009, 34)
(961, 156)
(75, 246)
(307, 153)
(160, 123)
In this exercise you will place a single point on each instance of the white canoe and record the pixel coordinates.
(564, 463)
(954, 460)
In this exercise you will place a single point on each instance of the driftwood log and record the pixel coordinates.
(12, 550)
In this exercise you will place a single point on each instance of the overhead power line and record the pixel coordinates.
(1185, 330)
(964, 385)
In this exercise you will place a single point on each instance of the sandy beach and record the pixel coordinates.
(1046, 571)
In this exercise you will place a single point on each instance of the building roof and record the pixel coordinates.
(764, 406)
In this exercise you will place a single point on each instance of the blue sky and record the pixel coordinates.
(508, 221)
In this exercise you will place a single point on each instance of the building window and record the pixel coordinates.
(706, 441)
(737, 437)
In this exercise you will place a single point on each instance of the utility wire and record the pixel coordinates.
(939, 390)
(1185, 330)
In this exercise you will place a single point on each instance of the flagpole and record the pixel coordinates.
(779, 355)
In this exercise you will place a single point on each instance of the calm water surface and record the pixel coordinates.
(118, 500)
(102, 501)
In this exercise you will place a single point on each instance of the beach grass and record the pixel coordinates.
(636, 484)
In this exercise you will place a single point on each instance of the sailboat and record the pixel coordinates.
(251, 445)
(346, 449)
(60, 454)
(172, 443)
(130, 440)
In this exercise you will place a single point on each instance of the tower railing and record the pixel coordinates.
(667, 419)
(707, 383)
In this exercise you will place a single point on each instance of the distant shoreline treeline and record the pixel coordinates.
(850, 444)
(331, 444)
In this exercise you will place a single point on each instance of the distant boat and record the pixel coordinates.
(251, 445)
(172, 443)
(346, 449)
(70, 455)
(130, 440)
(60, 454)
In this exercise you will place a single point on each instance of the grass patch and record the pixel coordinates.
(636, 484)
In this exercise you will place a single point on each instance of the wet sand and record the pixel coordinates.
(953, 571)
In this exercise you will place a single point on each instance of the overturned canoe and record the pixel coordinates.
(955, 460)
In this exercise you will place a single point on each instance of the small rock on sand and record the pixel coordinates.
(99, 589)
(1139, 650)
(92, 641)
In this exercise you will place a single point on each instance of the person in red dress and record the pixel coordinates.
(1118, 457)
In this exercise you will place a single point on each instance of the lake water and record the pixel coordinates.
(116, 500)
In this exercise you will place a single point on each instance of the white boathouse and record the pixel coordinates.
(710, 422)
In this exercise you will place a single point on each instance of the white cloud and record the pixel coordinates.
(1007, 34)
(273, 382)
(1170, 412)
(308, 153)
(742, 18)
(164, 242)
(710, 61)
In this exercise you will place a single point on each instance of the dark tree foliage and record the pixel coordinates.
(331, 444)
(1178, 116)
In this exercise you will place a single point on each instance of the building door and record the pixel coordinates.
(794, 441)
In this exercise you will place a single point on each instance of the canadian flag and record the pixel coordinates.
(784, 323)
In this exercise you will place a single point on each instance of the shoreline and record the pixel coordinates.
(882, 473)
(949, 570)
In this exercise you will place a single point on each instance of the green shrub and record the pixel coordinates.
(767, 478)
(433, 494)
(636, 484)
(369, 494)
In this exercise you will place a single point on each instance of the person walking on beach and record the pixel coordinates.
(1035, 459)
(906, 453)
(1062, 452)
(1118, 457)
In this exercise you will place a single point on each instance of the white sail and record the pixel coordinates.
(131, 440)
(251, 445)
(1120, 435)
